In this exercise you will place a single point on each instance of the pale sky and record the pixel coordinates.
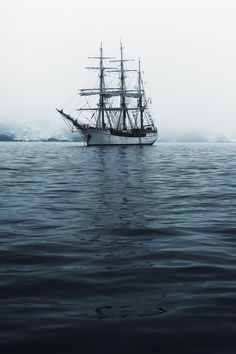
(187, 49)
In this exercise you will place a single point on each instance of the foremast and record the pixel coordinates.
(100, 123)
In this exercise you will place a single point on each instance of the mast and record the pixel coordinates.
(123, 92)
(101, 89)
(122, 78)
(140, 99)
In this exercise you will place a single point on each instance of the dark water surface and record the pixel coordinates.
(117, 250)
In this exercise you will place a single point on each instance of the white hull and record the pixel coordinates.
(95, 137)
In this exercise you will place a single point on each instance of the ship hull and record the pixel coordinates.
(94, 137)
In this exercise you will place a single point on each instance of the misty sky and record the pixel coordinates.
(187, 48)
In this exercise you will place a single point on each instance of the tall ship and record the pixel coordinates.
(113, 112)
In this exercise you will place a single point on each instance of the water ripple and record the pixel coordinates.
(117, 250)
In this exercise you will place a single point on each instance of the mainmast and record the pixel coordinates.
(122, 78)
(140, 99)
(101, 90)
(123, 92)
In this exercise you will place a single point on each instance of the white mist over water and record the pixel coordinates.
(35, 130)
(187, 48)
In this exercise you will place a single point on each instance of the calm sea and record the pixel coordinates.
(117, 249)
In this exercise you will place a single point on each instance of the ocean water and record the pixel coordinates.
(117, 249)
